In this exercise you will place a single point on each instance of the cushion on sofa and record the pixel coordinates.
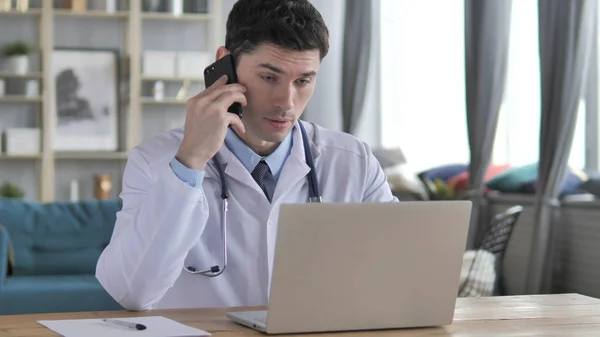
(58, 238)
(403, 179)
(443, 172)
(522, 179)
(591, 185)
(513, 179)
(571, 186)
(460, 182)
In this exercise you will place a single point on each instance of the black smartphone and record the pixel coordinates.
(223, 66)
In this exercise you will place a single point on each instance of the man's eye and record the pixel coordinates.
(303, 82)
(268, 78)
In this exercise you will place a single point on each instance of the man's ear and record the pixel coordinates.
(221, 51)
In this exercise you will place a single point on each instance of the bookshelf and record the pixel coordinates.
(133, 103)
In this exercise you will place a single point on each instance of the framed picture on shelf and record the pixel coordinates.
(86, 99)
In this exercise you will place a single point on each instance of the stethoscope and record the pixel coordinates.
(314, 196)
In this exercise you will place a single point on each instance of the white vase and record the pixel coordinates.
(32, 88)
(177, 7)
(18, 64)
(111, 6)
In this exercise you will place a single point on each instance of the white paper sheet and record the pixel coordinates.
(156, 326)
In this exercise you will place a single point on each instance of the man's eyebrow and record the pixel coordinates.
(279, 71)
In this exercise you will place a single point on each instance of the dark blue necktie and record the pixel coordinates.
(260, 173)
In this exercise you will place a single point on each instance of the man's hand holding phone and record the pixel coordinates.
(207, 120)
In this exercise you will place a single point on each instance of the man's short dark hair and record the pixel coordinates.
(289, 24)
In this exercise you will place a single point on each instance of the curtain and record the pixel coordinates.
(591, 106)
(487, 30)
(355, 61)
(566, 30)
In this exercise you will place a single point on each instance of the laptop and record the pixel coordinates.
(368, 266)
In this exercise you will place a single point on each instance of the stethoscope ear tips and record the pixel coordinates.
(192, 269)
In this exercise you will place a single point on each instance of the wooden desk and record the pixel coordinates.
(540, 315)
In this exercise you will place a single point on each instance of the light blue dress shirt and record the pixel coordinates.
(247, 157)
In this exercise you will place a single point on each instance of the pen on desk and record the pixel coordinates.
(134, 326)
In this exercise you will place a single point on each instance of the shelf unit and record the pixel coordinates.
(132, 103)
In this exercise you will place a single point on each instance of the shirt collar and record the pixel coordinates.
(250, 159)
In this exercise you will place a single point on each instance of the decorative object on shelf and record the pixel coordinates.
(111, 6)
(22, 141)
(182, 93)
(195, 6)
(159, 90)
(2, 87)
(10, 190)
(75, 5)
(17, 53)
(87, 95)
(74, 190)
(23, 5)
(32, 88)
(152, 5)
(177, 7)
(158, 63)
(192, 63)
(102, 186)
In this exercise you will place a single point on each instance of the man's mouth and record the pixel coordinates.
(278, 123)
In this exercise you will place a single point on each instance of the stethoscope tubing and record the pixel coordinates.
(314, 196)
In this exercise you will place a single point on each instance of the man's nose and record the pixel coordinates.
(284, 98)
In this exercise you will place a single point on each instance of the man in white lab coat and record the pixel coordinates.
(172, 205)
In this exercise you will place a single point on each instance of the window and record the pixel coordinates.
(518, 135)
(423, 95)
(423, 86)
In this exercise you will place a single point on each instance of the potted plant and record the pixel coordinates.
(17, 53)
(8, 190)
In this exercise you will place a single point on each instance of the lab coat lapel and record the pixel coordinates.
(234, 169)
(295, 168)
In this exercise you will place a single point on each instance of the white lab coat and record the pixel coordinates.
(165, 224)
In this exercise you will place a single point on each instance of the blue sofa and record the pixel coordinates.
(48, 255)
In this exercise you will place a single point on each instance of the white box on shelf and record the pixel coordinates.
(158, 63)
(192, 63)
(22, 141)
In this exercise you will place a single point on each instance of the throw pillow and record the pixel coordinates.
(460, 182)
(571, 186)
(443, 172)
(591, 185)
(523, 179)
(513, 179)
(389, 157)
(403, 179)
